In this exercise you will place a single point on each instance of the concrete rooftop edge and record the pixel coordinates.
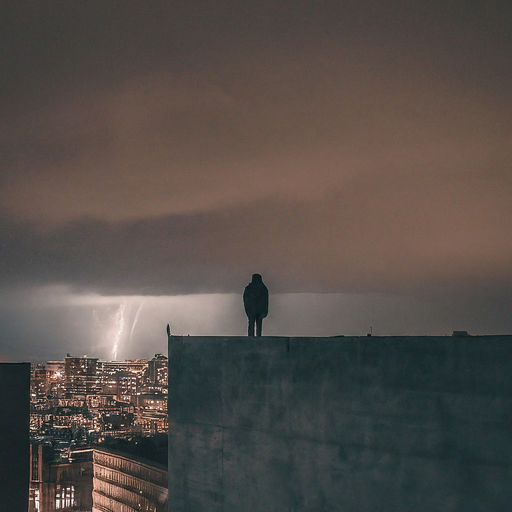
(406, 336)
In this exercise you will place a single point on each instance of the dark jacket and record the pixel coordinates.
(256, 298)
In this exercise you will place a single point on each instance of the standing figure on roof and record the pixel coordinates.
(256, 304)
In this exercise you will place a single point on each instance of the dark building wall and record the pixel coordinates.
(14, 436)
(354, 424)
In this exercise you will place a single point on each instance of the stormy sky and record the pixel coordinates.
(153, 155)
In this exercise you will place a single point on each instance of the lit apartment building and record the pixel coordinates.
(56, 375)
(151, 413)
(81, 376)
(121, 379)
(157, 370)
(38, 383)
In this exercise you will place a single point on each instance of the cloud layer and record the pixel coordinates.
(380, 238)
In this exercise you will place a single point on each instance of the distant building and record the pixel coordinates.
(14, 436)
(55, 372)
(151, 409)
(121, 379)
(157, 370)
(81, 376)
(38, 383)
(55, 368)
(128, 484)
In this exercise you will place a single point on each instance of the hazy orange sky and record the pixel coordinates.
(174, 148)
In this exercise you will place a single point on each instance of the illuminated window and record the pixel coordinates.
(64, 496)
(34, 497)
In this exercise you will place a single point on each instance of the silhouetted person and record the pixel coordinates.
(256, 304)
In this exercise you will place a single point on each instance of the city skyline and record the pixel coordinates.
(357, 155)
(81, 406)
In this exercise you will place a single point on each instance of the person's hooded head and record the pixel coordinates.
(256, 279)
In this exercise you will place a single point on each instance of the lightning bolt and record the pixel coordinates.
(136, 319)
(119, 328)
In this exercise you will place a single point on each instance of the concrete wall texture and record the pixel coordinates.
(14, 436)
(352, 424)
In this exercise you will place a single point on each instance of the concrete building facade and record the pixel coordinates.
(127, 484)
(355, 424)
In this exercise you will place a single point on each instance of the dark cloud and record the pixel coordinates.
(385, 237)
